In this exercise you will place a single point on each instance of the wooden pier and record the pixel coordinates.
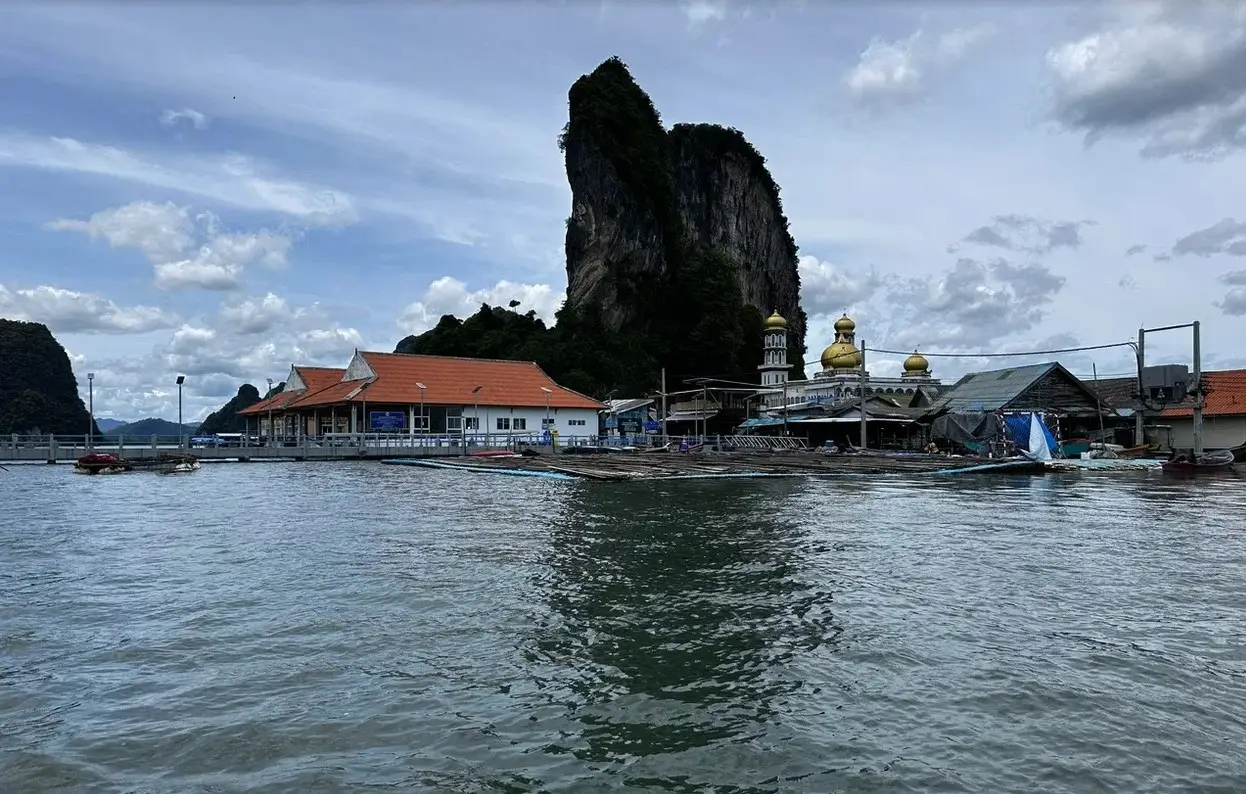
(718, 465)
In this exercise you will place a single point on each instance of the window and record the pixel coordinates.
(546, 424)
(471, 422)
(504, 423)
(576, 422)
(520, 423)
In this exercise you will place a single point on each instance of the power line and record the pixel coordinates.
(1019, 354)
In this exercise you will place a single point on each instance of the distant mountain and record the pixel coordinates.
(106, 425)
(153, 427)
(38, 390)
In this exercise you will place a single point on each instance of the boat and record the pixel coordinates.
(101, 463)
(1183, 463)
(108, 463)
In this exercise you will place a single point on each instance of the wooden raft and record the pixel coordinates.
(625, 466)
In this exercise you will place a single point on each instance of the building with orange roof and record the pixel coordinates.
(1224, 413)
(401, 393)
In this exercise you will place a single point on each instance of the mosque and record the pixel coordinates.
(842, 377)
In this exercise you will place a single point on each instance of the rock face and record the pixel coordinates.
(38, 390)
(677, 250)
(226, 418)
(729, 203)
(646, 203)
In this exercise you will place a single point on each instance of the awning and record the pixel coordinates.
(761, 421)
(691, 416)
(826, 420)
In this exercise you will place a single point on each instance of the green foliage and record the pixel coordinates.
(226, 419)
(38, 390)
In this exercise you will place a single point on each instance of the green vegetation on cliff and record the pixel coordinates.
(38, 390)
(696, 321)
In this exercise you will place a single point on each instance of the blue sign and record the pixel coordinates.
(611, 422)
(387, 420)
(652, 426)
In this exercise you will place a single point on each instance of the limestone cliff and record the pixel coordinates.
(677, 249)
(38, 390)
(652, 210)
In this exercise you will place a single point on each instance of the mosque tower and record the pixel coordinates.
(774, 367)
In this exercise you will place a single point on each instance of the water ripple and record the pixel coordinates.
(308, 627)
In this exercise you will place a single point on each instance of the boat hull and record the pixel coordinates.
(1208, 463)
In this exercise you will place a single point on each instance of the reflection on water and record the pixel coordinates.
(675, 610)
(329, 627)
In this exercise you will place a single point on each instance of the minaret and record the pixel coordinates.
(774, 367)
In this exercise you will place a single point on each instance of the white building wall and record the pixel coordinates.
(1219, 432)
(569, 422)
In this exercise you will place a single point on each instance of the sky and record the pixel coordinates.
(222, 190)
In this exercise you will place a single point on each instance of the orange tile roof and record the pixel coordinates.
(449, 381)
(316, 378)
(1226, 395)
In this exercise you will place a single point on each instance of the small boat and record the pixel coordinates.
(1182, 463)
(101, 463)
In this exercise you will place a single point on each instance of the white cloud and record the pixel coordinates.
(699, 12)
(166, 234)
(827, 289)
(234, 180)
(890, 72)
(448, 295)
(1172, 73)
(170, 118)
(162, 231)
(198, 274)
(67, 311)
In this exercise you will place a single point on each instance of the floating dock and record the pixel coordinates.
(758, 464)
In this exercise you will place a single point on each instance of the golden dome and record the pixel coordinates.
(775, 322)
(841, 355)
(845, 325)
(916, 363)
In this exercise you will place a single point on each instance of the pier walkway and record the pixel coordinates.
(342, 446)
(66, 449)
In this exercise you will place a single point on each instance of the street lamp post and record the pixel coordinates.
(423, 425)
(547, 429)
(270, 412)
(91, 410)
(181, 429)
(476, 408)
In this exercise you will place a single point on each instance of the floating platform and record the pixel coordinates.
(759, 464)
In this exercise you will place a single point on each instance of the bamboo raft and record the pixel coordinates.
(722, 465)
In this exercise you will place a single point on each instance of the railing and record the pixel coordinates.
(69, 447)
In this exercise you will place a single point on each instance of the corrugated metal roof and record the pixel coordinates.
(623, 406)
(992, 390)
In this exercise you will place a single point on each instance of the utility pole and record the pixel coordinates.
(785, 407)
(1140, 410)
(864, 381)
(664, 436)
(1198, 395)
(705, 411)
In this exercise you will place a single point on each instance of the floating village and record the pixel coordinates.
(509, 417)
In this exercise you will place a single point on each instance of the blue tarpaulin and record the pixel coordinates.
(761, 421)
(1020, 427)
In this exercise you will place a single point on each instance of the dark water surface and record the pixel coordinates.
(350, 626)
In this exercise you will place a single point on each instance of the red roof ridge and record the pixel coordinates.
(455, 358)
